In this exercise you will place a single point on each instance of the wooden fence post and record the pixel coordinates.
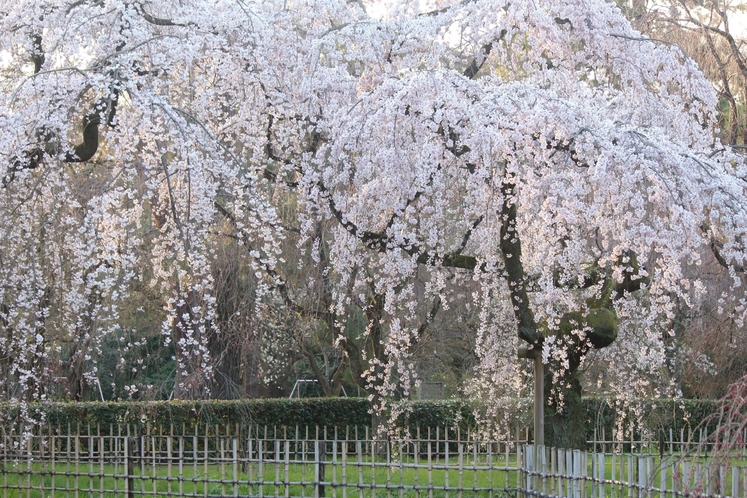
(319, 456)
(318, 470)
(129, 460)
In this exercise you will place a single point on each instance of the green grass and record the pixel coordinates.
(356, 480)
(227, 480)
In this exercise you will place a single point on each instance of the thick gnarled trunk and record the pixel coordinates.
(565, 425)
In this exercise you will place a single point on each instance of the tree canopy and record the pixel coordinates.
(539, 165)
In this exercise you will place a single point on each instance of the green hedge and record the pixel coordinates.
(601, 414)
(188, 415)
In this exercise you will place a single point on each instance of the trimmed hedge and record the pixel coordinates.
(188, 415)
(601, 414)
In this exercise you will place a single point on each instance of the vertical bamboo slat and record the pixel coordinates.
(401, 462)
(632, 482)
(334, 463)
(553, 484)
(430, 469)
(277, 469)
(344, 457)
(141, 461)
(29, 454)
(260, 465)
(460, 473)
(222, 443)
(489, 460)
(6, 442)
(303, 460)
(195, 439)
(169, 464)
(154, 456)
(446, 461)
(358, 453)
(250, 452)
(388, 472)
(235, 443)
(642, 475)
(181, 464)
(53, 451)
(286, 468)
(77, 461)
(416, 463)
(734, 481)
(372, 448)
(206, 451)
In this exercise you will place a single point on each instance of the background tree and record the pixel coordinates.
(712, 34)
(705, 353)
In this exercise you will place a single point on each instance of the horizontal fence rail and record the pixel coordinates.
(346, 462)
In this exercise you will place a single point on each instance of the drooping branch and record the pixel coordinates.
(104, 110)
(85, 150)
(272, 177)
(716, 248)
(479, 60)
(566, 146)
(158, 21)
(381, 242)
(38, 52)
(309, 353)
(278, 281)
(352, 350)
(510, 245)
(313, 145)
(328, 385)
(435, 307)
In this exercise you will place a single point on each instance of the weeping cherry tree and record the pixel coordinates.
(539, 164)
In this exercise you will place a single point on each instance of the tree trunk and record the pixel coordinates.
(565, 427)
(379, 427)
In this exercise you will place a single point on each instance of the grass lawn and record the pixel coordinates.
(355, 479)
(362, 478)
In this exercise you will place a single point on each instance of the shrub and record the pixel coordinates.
(603, 416)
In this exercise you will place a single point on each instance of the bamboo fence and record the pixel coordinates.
(234, 460)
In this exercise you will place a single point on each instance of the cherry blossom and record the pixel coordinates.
(540, 163)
